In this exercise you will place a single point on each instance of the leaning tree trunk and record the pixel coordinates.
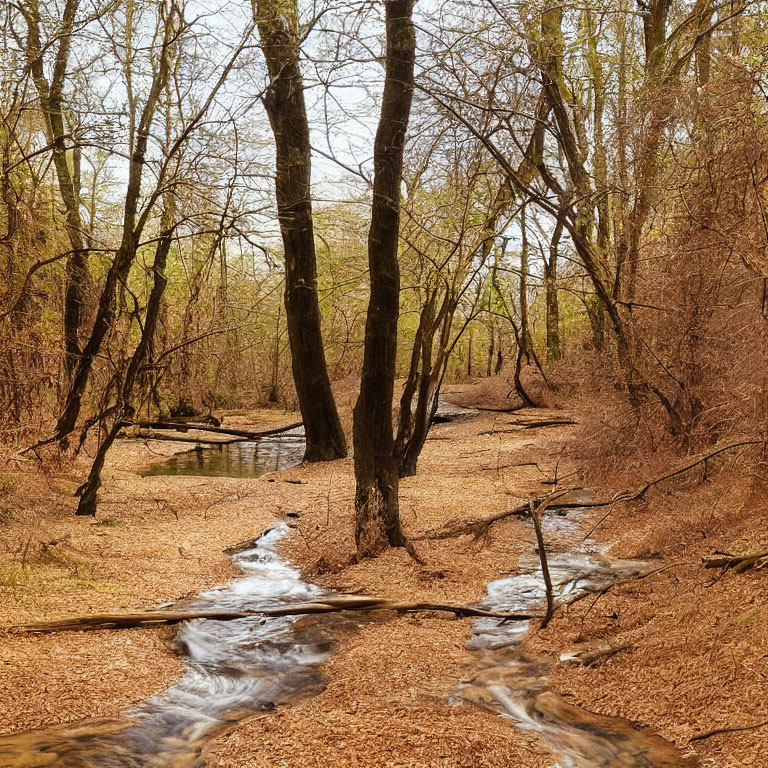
(280, 36)
(89, 491)
(126, 253)
(377, 515)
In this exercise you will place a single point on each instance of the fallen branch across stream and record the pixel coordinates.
(187, 426)
(334, 604)
(195, 440)
(478, 527)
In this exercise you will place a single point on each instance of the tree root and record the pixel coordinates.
(331, 604)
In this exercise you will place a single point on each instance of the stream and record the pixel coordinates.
(233, 669)
(511, 683)
(236, 668)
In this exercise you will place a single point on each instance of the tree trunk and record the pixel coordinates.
(274, 392)
(126, 253)
(469, 357)
(50, 94)
(284, 102)
(491, 350)
(377, 515)
(553, 306)
(125, 410)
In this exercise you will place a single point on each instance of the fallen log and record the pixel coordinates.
(518, 425)
(331, 604)
(600, 591)
(186, 427)
(478, 527)
(195, 440)
(737, 563)
(499, 409)
(548, 423)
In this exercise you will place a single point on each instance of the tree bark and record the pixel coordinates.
(278, 25)
(553, 306)
(50, 94)
(89, 491)
(377, 515)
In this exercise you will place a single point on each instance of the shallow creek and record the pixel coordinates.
(236, 668)
(243, 458)
(513, 684)
(233, 669)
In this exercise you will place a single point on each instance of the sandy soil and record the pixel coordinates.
(695, 656)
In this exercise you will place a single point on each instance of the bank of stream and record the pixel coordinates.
(516, 685)
(237, 668)
(233, 669)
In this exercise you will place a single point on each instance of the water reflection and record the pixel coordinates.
(252, 458)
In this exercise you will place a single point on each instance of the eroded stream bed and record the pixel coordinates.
(517, 686)
(233, 669)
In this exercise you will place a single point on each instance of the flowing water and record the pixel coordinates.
(236, 668)
(246, 458)
(233, 669)
(515, 685)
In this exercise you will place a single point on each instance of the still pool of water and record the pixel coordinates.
(251, 458)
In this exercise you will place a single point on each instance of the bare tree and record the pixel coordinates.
(377, 515)
(171, 25)
(284, 101)
(51, 95)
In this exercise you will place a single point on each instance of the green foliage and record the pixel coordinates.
(7, 485)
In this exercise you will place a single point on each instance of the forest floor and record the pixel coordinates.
(694, 646)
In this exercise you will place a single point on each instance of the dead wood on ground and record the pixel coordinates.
(600, 591)
(528, 424)
(187, 426)
(195, 440)
(737, 563)
(478, 527)
(731, 729)
(331, 604)
(491, 409)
